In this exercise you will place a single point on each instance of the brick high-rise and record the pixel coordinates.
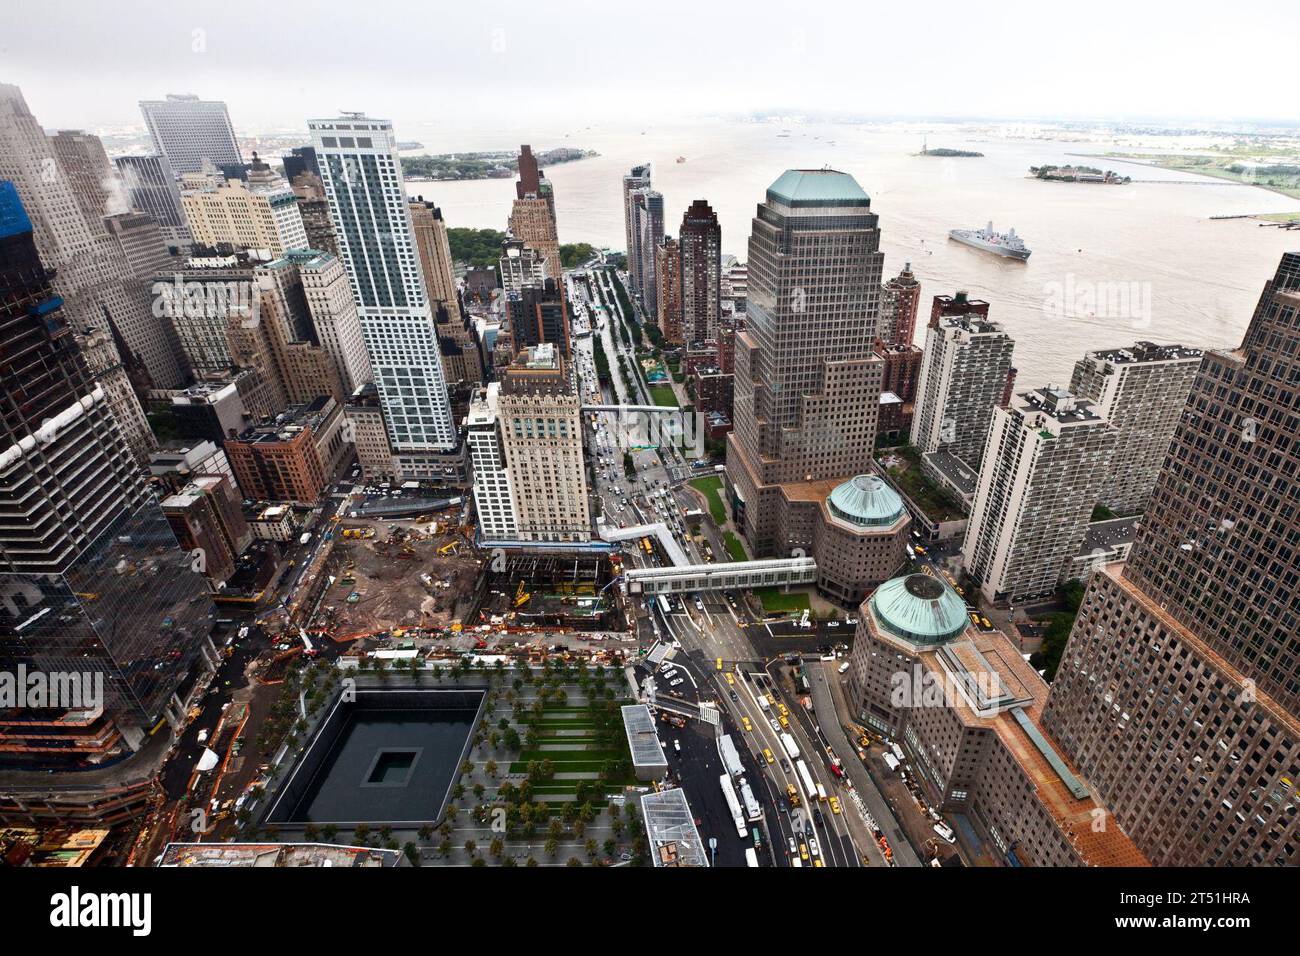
(701, 265)
(899, 308)
(1178, 692)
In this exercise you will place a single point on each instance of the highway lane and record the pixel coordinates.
(819, 675)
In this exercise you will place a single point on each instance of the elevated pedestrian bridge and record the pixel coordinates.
(659, 531)
(721, 576)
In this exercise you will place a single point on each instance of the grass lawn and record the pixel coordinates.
(734, 548)
(711, 488)
(775, 600)
(664, 395)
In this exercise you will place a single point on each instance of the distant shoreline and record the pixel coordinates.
(470, 166)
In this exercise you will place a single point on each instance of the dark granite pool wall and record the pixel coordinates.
(335, 721)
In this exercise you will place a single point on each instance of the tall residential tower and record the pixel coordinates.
(367, 197)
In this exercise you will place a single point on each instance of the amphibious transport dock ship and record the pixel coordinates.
(1002, 244)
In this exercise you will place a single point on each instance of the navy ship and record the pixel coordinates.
(1002, 244)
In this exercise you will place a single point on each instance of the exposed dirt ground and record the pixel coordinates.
(385, 572)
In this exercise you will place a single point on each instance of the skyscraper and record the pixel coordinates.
(334, 316)
(807, 384)
(435, 250)
(1178, 692)
(648, 205)
(493, 500)
(963, 375)
(901, 303)
(1045, 462)
(90, 174)
(668, 268)
(91, 578)
(539, 313)
(1141, 390)
(532, 217)
(90, 272)
(701, 244)
(541, 432)
(190, 131)
(634, 182)
(152, 189)
(367, 196)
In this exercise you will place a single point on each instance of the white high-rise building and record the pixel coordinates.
(963, 375)
(1045, 462)
(1142, 391)
(367, 199)
(492, 498)
(189, 131)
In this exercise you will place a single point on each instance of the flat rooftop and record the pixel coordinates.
(1109, 534)
(642, 738)
(1146, 352)
(1060, 404)
(670, 830)
(955, 471)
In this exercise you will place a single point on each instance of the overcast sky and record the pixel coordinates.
(277, 62)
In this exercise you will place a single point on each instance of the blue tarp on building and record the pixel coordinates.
(13, 217)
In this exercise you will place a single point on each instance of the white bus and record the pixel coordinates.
(751, 858)
(791, 748)
(809, 787)
(752, 809)
(733, 804)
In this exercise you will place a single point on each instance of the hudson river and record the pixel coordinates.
(1110, 264)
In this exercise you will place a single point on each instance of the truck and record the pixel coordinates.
(730, 758)
(821, 793)
(791, 748)
(410, 486)
(809, 787)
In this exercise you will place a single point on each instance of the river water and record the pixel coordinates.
(1110, 264)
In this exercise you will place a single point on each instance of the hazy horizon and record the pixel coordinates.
(486, 63)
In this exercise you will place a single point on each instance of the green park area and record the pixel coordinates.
(776, 601)
(664, 395)
(711, 488)
(735, 550)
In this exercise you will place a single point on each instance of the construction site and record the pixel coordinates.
(549, 590)
(394, 576)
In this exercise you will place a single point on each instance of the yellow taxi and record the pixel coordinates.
(818, 862)
(785, 724)
(748, 726)
(767, 755)
(730, 678)
(835, 805)
(719, 663)
(784, 712)
(803, 851)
